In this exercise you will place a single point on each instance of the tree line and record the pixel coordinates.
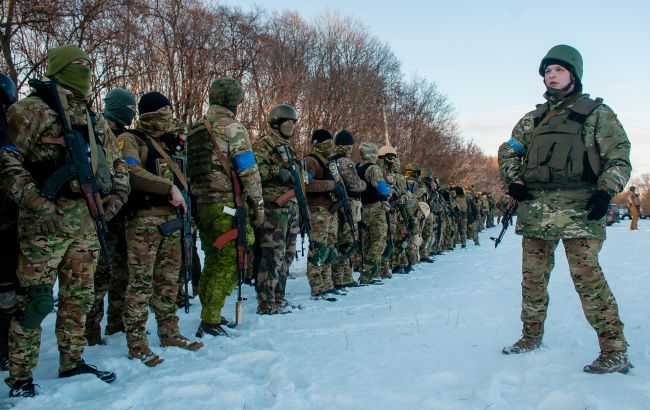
(332, 69)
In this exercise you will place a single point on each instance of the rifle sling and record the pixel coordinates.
(172, 164)
(220, 156)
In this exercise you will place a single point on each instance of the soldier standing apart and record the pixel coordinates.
(558, 202)
(373, 213)
(278, 234)
(154, 259)
(112, 276)
(320, 190)
(347, 244)
(9, 245)
(633, 204)
(57, 237)
(218, 150)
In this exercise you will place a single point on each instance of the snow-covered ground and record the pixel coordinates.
(428, 340)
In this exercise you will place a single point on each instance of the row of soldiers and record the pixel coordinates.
(107, 206)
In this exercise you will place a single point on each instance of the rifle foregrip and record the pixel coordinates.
(170, 226)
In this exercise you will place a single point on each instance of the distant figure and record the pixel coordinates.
(633, 204)
(564, 163)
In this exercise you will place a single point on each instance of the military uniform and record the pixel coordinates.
(154, 260)
(633, 204)
(564, 162)
(281, 216)
(322, 247)
(342, 272)
(57, 237)
(217, 142)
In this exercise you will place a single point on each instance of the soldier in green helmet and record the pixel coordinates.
(277, 236)
(216, 145)
(564, 163)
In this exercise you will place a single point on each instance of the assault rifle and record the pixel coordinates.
(77, 164)
(506, 221)
(303, 219)
(184, 224)
(344, 202)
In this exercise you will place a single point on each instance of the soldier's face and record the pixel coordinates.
(556, 76)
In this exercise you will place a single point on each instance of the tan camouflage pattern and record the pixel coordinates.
(323, 235)
(556, 213)
(598, 302)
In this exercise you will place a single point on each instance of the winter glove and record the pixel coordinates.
(112, 205)
(45, 217)
(598, 204)
(519, 192)
(258, 216)
(285, 175)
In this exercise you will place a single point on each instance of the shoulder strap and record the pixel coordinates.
(220, 156)
(172, 164)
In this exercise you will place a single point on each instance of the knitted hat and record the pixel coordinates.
(151, 102)
(59, 57)
(344, 137)
(320, 135)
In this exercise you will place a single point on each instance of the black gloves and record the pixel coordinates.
(598, 204)
(519, 192)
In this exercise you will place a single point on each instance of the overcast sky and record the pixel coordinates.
(484, 55)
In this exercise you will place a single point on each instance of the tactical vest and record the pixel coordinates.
(370, 195)
(557, 156)
(42, 170)
(327, 176)
(200, 150)
(156, 165)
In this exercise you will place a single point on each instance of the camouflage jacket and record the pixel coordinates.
(35, 137)
(560, 213)
(271, 154)
(232, 139)
(353, 183)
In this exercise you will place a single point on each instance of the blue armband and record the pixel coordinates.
(310, 175)
(382, 188)
(10, 147)
(131, 161)
(517, 146)
(245, 160)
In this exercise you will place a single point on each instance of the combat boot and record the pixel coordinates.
(112, 328)
(523, 345)
(398, 270)
(213, 329)
(4, 363)
(146, 356)
(609, 363)
(368, 280)
(83, 368)
(383, 273)
(323, 296)
(23, 388)
(408, 269)
(428, 259)
(182, 342)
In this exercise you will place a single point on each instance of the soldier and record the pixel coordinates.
(419, 189)
(461, 200)
(111, 277)
(346, 242)
(491, 209)
(320, 190)
(275, 159)
(58, 237)
(9, 245)
(218, 150)
(568, 203)
(373, 213)
(633, 204)
(154, 260)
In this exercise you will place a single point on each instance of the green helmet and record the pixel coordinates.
(565, 54)
(412, 167)
(282, 112)
(226, 91)
(427, 173)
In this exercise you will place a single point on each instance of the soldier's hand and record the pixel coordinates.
(46, 217)
(598, 203)
(112, 205)
(176, 198)
(519, 191)
(258, 216)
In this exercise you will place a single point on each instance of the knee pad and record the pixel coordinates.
(39, 306)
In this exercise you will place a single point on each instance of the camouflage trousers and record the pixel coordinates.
(342, 273)
(220, 274)
(9, 250)
(324, 226)
(374, 238)
(427, 236)
(154, 261)
(110, 277)
(278, 249)
(462, 229)
(598, 303)
(42, 259)
(472, 231)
